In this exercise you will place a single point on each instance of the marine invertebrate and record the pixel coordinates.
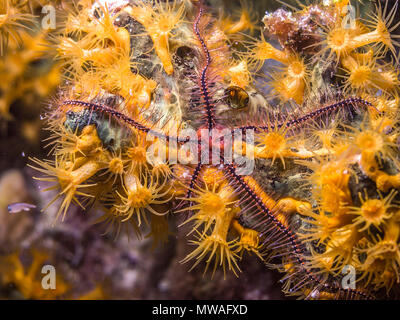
(380, 266)
(68, 180)
(230, 213)
(27, 70)
(14, 16)
(373, 211)
(29, 278)
(366, 76)
(17, 63)
(160, 20)
(140, 197)
(342, 40)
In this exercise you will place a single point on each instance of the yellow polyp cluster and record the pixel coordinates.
(364, 75)
(20, 80)
(97, 55)
(118, 78)
(277, 143)
(98, 158)
(69, 179)
(135, 186)
(341, 5)
(330, 188)
(36, 281)
(15, 16)
(290, 83)
(249, 240)
(141, 197)
(221, 239)
(358, 48)
(137, 154)
(115, 165)
(351, 230)
(239, 75)
(381, 265)
(375, 142)
(210, 204)
(342, 40)
(324, 134)
(261, 50)
(272, 145)
(160, 21)
(94, 38)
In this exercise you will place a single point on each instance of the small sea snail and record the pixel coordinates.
(236, 97)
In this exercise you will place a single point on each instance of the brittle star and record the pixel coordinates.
(278, 238)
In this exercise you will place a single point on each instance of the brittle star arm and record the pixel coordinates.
(291, 123)
(124, 118)
(193, 180)
(203, 79)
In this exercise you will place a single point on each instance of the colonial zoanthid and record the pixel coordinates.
(157, 146)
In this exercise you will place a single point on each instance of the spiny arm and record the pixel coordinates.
(292, 123)
(122, 117)
(208, 104)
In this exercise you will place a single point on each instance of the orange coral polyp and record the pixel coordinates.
(217, 246)
(239, 75)
(334, 199)
(272, 145)
(68, 180)
(140, 198)
(339, 250)
(374, 211)
(365, 75)
(265, 51)
(159, 22)
(137, 157)
(289, 88)
(296, 68)
(213, 178)
(381, 266)
(211, 203)
(360, 77)
(387, 80)
(369, 141)
(116, 165)
(249, 239)
(339, 41)
(334, 173)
